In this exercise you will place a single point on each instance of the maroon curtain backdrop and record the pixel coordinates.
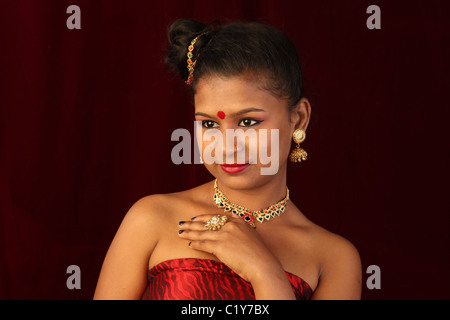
(86, 118)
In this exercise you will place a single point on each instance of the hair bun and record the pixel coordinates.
(180, 34)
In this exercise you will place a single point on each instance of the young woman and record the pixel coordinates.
(238, 236)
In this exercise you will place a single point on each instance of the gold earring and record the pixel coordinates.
(298, 154)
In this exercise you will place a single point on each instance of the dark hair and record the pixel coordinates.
(235, 49)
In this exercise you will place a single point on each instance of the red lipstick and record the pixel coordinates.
(234, 168)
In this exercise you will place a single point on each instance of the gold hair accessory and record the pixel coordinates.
(246, 214)
(298, 154)
(216, 222)
(190, 63)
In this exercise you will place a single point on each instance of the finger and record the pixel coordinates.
(203, 222)
(195, 235)
(206, 217)
(192, 225)
(209, 246)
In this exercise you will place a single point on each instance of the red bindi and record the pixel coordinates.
(221, 114)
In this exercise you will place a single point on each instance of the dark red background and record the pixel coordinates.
(86, 118)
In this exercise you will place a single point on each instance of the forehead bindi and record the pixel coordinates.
(221, 114)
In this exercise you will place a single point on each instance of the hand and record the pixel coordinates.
(236, 244)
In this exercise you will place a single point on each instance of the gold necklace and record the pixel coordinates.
(246, 214)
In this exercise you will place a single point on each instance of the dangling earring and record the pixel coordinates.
(298, 154)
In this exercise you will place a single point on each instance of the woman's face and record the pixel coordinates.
(225, 105)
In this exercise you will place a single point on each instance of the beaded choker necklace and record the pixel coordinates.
(246, 214)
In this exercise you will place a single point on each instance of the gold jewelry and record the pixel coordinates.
(190, 63)
(216, 222)
(298, 154)
(246, 214)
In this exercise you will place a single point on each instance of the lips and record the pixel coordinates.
(234, 168)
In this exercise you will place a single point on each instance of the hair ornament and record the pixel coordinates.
(190, 63)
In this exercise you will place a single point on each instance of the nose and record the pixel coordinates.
(232, 147)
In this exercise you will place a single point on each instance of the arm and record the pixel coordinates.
(340, 277)
(124, 270)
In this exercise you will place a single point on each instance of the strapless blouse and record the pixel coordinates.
(204, 279)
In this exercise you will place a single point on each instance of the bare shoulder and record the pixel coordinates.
(124, 270)
(333, 246)
(155, 210)
(147, 220)
(151, 209)
(339, 266)
(143, 216)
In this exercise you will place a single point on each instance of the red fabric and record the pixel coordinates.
(203, 279)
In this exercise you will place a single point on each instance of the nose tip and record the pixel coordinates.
(234, 152)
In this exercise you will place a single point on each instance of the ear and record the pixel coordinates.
(301, 114)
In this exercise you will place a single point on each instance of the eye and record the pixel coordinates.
(209, 124)
(248, 122)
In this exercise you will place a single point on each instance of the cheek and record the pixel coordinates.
(286, 141)
(284, 126)
(281, 147)
(211, 142)
(208, 146)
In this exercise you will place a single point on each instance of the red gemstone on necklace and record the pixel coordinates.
(247, 218)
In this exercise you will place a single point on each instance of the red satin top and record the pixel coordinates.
(204, 279)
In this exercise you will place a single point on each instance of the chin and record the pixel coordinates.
(248, 178)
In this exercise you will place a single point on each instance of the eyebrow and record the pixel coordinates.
(239, 113)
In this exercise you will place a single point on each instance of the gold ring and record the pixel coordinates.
(216, 222)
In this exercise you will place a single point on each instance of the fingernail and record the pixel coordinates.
(193, 218)
(189, 244)
(181, 231)
(181, 223)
